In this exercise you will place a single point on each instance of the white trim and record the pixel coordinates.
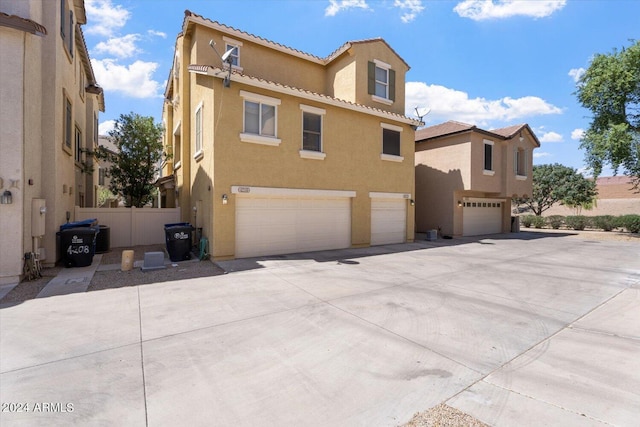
(301, 93)
(381, 64)
(313, 110)
(315, 155)
(381, 100)
(177, 165)
(260, 98)
(199, 108)
(258, 139)
(391, 158)
(488, 141)
(391, 127)
(290, 192)
(198, 155)
(232, 41)
(382, 195)
(177, 129)
(489, 173)
(521, 177)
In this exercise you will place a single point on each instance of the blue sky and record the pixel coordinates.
(489, 63)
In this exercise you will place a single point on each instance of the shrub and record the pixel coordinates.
(604, 222)
(555, 221)
(538, 221)
(527, 220)
(576, 222)
(630, 222)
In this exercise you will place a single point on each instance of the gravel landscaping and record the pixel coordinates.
(444, 416)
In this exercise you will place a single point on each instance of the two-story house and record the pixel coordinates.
(50, 103)
(279, 151)
(467, 176)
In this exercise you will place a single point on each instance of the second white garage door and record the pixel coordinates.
(482, 216)
(271, 225)
(388, 221)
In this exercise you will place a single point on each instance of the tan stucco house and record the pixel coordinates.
(280, 151)
(466, 177)
(50, 103)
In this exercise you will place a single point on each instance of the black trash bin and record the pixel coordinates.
(78, 246)
(103, 239)
(178, 238)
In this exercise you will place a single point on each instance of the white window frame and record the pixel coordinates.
(231, 43)
(390, 157)
(257, 138)
(491, 171)
(198, 126)
(310, 154)
(386, 67)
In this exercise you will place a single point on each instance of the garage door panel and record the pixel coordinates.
(388, 221)
(482, 216)
(279, 225)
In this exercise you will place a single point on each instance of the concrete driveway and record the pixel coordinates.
(516, 330)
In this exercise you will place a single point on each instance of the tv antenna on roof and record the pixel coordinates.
(225, 57)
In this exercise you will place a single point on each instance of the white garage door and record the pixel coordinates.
(482, 216)
(388, 221)
(271, 225)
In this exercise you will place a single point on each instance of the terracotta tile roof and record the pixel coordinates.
(447, 128)
(509, 131)
(333, 55)
(22, 24)
(216, 71)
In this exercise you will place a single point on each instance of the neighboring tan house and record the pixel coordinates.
(296, 153)
(104, 197)
(466, 177)
(50, 103)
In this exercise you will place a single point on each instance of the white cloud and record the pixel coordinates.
(577, 134)
(122, 47)
(539, 155)
(157, 33)
(336, 6)
(135, 80)
(412, 8)
(587, 172)
(451, 104)
(576, 73)
(104, 18)
(105, 127)
(551, 137)
(479, 10)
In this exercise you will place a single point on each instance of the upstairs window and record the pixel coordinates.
(488, 157)
(260, 119)
(311, 131)
(391, 142)
(234, 46)
(381, 82)
(66, 26)
(68, 119)
(520, 165)
(198, 144)
(78, 138)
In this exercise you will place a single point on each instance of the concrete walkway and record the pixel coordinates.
(542, 329)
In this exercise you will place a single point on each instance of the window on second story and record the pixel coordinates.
(78, 139)
(68, 120)
(198, 143)
(260, 119)
(234, 46)
(101, 176)
(520, 165)
(381, 80)
(488, 157)
(311, 131)
(66, 26)
(391, 142)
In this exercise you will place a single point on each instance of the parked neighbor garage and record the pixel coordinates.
(481, 216)
(280, 224)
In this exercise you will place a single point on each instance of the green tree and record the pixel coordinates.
(134, 166)
(610, 89)
(558, 184)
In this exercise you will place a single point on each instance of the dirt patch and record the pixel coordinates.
(182, 270)
(444, 416)
(27, 290)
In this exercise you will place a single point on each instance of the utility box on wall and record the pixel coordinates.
(38, 213)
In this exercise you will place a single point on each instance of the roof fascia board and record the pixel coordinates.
(220, 74)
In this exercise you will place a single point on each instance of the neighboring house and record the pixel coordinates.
(616, 196)
(296, 152)
(50, 103)
(104, 197)
(466, 177)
